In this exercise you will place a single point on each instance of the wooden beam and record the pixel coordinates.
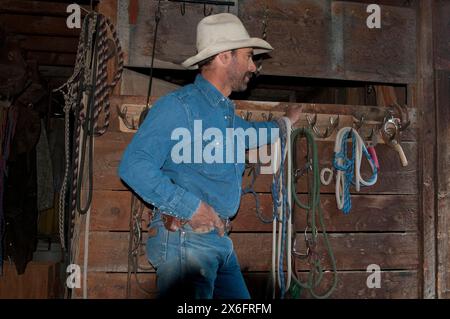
(36, 7)
(256, 107)
(111, 212)
(49, 58)
(108, 251)
(442, 34)
(312, 38)
(39, 25)
(49, 43)
(443, 184)
(352, 285)
(392, 179)
(427, 141)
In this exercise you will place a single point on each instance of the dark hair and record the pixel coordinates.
(208, 61)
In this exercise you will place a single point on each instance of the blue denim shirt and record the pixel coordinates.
(150, 169)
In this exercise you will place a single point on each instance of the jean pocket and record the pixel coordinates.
(156, 246)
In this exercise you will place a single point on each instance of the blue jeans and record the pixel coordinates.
(194, 265)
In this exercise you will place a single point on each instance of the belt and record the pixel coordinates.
(172, 223)
(226, 224)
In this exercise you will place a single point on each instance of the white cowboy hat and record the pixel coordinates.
(222, 32)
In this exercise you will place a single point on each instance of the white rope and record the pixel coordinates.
(277, 224)
(289, 197)
(322, 176)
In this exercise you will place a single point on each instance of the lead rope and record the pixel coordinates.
(282, 221)
(314, 213)
(349, 169)
(89, 82)
(91, 50)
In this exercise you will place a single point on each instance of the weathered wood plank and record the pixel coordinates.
(300, 33)
(111, 212)
(351, 285)
(441, 11)
(36, 7)
(425, 91)
(387, 53)
(52, 58)
(393, 178)
(443, 183)
(56, 71)
(310, 38)
(370, 113)
(353, 251)
(136, 30)
(49, 43)
(43, 25)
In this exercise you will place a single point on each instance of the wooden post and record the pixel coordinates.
(427, 140)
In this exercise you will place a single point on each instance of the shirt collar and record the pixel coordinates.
(212, 94)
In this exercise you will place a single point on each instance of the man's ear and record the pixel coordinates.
(224, 58)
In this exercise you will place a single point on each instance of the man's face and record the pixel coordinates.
(241, 69)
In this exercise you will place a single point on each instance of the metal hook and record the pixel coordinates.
(264, 117)
(357, 124)
(249, 116)
(334, 122)
(204, 11)
(270, 116)
(183, 8)
(404, 116)
(311, 122)
(123, 115)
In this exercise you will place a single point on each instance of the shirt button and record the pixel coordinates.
(226, 117)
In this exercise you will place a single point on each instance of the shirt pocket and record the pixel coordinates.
(213, 157)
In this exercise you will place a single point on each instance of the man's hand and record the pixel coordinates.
(293, 113)
(206, 219)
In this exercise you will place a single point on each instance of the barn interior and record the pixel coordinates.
(70, 228)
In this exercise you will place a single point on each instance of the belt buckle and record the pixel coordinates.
(226, 224)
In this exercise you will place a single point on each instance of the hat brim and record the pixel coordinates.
(259, 45)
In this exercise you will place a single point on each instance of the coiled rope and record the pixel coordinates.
(314, 216)
(348, 169)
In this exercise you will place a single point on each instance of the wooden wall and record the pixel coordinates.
(442, 76)
(45, 38)
(381, 229)
(385, 226)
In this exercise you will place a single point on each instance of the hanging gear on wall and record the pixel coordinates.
(314, 221)
(86, 115)
(282, 211)
(348, 170)
(8, 121)
(136, 244)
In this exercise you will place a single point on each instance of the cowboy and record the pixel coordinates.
(195, 199)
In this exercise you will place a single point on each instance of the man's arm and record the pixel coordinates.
(271, 127)
(144, 157)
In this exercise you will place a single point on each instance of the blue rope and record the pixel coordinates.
(285, 209)
(348, 167)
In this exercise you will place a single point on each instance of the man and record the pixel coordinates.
(195, 198)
